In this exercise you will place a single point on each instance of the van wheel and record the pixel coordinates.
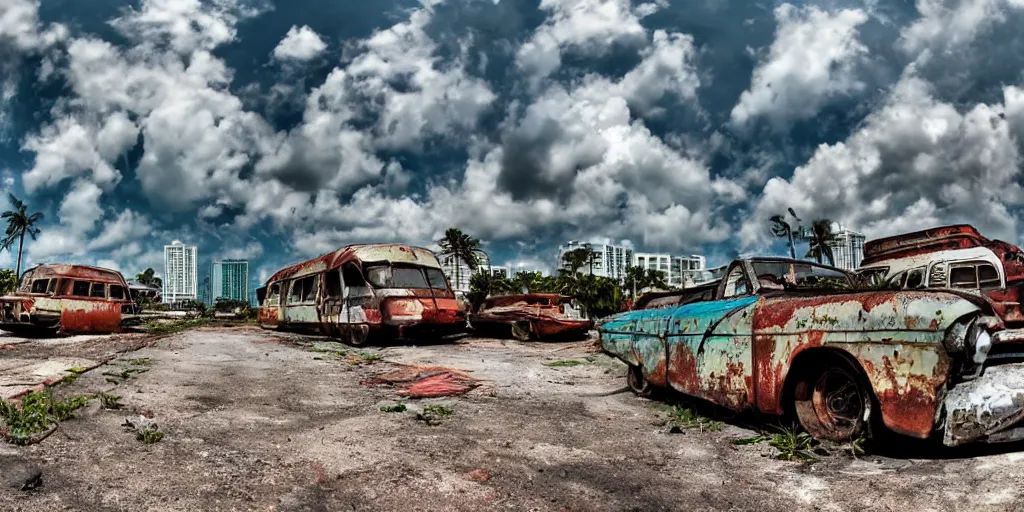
(521, 331)
(832, 403)
(357, 335)
(638, 383)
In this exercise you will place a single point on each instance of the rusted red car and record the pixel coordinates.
(783, 336)
(537, 316)
(364, 291)
(53, 299)
(957, 257)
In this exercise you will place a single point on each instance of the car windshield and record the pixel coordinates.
(384, 276)
(789, 275)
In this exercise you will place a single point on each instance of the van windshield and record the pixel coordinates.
(383, 276)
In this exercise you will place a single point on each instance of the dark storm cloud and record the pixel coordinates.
(526, 162)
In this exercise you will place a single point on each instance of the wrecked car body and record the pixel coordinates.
(792, 337)
(957, 257)
(538, 316)
(52, 299)
(363, 291)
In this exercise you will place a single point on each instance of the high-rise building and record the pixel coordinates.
(679, 270)
(229, 279)
(608, 260)
(180, 281)
(459, 273)
(847, 247)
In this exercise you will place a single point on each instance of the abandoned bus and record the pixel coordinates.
(67, 299)
(364, 291)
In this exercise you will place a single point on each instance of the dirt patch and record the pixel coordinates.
(255, 420)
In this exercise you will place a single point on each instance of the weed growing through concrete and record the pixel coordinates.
(685, 418)
(108, 401)
(434, 414)
(38, 412)
(149, 435)
(393, 408)
(792, 444)
(558, 364)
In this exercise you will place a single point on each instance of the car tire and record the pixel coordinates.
(521, 331)
(638, 383)
(357, 335)
(833, 401)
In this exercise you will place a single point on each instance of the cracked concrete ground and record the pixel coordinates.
(255, 420)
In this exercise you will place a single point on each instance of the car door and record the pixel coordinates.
(270, 313)
(723, 352)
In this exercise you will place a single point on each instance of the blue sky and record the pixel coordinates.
(278, 131)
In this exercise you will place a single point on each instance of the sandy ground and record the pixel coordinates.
(255, 420)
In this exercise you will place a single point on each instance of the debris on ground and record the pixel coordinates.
(146, 430)
(479, 475)
(417, 381)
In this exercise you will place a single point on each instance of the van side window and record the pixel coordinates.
(295, 293)
(53, 286)
(40, 285)
(274, 296)
(98, 290)
(80, 289)
(309, 288)
(116, 291)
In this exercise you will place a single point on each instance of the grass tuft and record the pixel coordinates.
(565, 363)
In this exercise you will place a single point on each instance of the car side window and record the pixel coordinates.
(736, 284)
(988, 277)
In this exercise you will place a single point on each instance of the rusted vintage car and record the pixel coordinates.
(791, 337)
(364, 291)
(53, 299)
(950, 257)
(537, 316)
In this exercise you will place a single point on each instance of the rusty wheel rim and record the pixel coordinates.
(637, 382)
(839, 404)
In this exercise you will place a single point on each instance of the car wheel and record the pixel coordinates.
(357, 335)
(832, 403)
(638, 383)
(521, 331)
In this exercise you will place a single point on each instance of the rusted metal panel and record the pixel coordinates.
(90, 316)
(548, 315)
(989, 408)
(960, 236)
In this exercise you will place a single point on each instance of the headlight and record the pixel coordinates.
(981, 342)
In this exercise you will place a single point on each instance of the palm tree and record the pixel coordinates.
(19, 224)
(148, 277)
(655, 279)
(577, 258)
(782, 229)
(461, 247)
(819, 246)
(636, 279)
